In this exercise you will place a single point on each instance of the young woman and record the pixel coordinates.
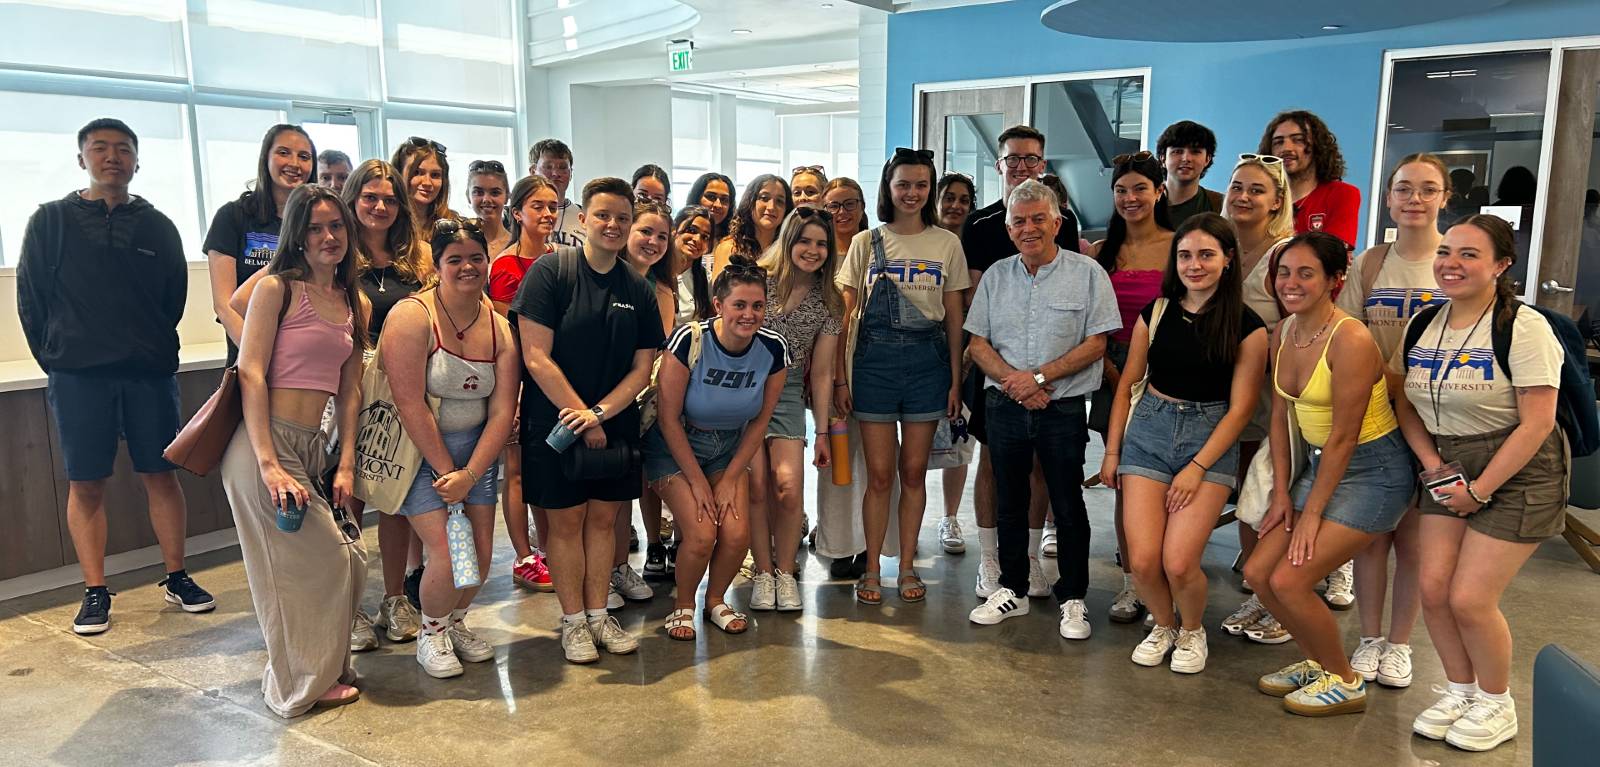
(1262, 213)
(426, 170)
(955, 193)
(843, 199)
(470, 370)
(755, 224)
(1135, 253)
(691, 239)
(1496, 418)
(714, 192)
(1356, 486)
(698, 453)
(1401, 283)
(306, 584)
(806, 184)
(902, 286)
(486, 191)
(244, 234)
(589, 331)
(535, 209)
(1175, 456)
(805, 307)
(652, 183)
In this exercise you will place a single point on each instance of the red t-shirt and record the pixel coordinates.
(1333, 207)
(506, 273)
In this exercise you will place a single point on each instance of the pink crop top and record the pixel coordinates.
(310, 351)
(1135, 289)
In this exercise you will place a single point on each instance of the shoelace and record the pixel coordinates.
(1125, 598)
(1301, 670)
(1157, 635)
(1251, 609)
(1450, 699)
(1189, 641)
(1076, 611)
(466, 634)
(98, 600)
(1370, 647)
(437, 643)
(1323, 683)
(1482, 710)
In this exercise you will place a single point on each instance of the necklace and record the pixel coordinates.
(1443, 371)
(1295, 337)
(382, 273)
(461, 332)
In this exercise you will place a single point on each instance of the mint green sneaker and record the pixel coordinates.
(1289, 678)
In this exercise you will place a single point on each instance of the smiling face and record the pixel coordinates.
(955, 202)
(1186, 164)
(1291, 143)
(693, 237)
(425, 178)
(770, 207)
(289, 160)
(487, 193)
(647, 241)
(1134, 196)
(717, 199)
(1416, 193)
(1024, 151)
(909, 188)
(606, 222)
(1201, 261)
(810, 251)
(333, 176)
(844, 204)
(463, 266)
(743, 310)
(110, 157)
(538, 213)
(650, 188)
(1465, 265)
(807, 189)
(1033, 226)
(377, 205)
(556, 170)
(1301, 282)
(327, 243)
(1252, 197)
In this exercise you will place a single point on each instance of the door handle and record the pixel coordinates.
(1551, 288)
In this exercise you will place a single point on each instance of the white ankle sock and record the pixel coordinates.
(1503, 698)
(989, 541)
(571, 617)
(1035, 537)
(595, 615)
(456, 616)
(1465, 690)
(432, 625)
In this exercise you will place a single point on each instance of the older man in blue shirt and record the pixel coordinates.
(1038, 321)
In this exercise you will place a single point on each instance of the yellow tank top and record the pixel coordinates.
(1313, 409)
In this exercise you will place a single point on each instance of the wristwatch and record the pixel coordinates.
(599, 411)
(1038, 378)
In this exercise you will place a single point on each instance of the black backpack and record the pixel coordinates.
(1576, 411)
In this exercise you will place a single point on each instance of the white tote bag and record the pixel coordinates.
(387, 460)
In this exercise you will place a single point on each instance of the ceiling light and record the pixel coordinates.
(741, 31)
(737, 74)
(1332, 27)
(569, 26)
(658, 79)
(822, 66)
(827, 5)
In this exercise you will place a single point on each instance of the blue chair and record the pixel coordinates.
(1566, 692)
(1584, 494)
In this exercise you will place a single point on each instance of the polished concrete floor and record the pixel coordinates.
(839, 683)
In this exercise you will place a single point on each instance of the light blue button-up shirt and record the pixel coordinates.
(1032, 319)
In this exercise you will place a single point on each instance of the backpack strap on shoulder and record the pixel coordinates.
(1500, 334)
(1419, 323)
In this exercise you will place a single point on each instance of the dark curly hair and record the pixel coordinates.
(743, 229)
(1325, 155)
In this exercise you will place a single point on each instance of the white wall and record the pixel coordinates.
(617, 129)
(872, 89)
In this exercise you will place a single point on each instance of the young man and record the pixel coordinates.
(1188, 148)
(1310, 154)
(985, 240)
(552, 159)
(1036, 375)
(333, 169)
(101, 285)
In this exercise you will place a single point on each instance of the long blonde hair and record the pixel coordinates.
(779, 261)
(1281, 224)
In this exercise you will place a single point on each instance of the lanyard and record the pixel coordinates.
(1435, 394)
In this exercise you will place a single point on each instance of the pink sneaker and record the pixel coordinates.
(531, 573)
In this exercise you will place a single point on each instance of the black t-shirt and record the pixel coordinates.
(600, 322)
(249, 240)
(985, 240)
(1178, 364)
(1203, 201)
(384, 288)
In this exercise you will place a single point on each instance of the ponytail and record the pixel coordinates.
(1504, 242)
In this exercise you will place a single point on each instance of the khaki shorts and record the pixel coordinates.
(1529, 507)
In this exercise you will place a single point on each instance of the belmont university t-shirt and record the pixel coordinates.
(249, 240)
(924, 266)
(1457, 387)
(1401, 289)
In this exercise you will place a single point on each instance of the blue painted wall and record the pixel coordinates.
(1232, 87)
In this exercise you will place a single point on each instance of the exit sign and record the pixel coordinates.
(680, 56)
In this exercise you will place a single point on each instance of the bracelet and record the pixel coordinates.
(471, 473)
(1471, 491)
(1202, 466)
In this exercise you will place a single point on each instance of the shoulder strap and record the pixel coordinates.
(696, 343)
(433, 322)
(1156, 311)
(1371, 265)
(567, 274)
(1500, 335)
(288, 293)
(879, 259)
(1419, 323)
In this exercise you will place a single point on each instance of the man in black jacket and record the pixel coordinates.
(101, 286)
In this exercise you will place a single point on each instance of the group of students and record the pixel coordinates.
(680, 353)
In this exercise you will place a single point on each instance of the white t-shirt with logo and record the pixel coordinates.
(1402, 288)
(569, 230)
(924, 266)
(1453, 381)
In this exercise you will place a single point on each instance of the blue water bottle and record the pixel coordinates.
(463, 553)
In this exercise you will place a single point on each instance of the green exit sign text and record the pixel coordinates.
(680, 59)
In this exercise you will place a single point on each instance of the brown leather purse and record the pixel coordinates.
(200, 444)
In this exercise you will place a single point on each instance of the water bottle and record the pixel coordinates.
(839, 439)
(463, 552)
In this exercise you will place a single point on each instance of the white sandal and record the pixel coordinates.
(723, 616)
(681, 618)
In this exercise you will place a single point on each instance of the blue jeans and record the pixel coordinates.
(1057, 435)
(1165, 435)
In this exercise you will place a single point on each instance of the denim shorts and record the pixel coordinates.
(900, 376)
(93, 411)
(422, 498)
(789, 417)
(1165, 435)
(1374, 492)
(713, 450)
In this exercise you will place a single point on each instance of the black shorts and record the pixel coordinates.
(546, 486)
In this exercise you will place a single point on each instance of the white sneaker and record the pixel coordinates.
(399, 619)
(1365, 659)
(1394, 668)
(1435, 722)
(950, 536)
(1341, 587)
(435, 656)
(1153, 650)
(1189, 656)
(614, 598)
(988, 577)
(468, 645)
(763, 592)
(626, 581)
(362, 636)
(788, 592)
(1037, 585)
(577, 642)
(1075, 620)
(1244, 617)
(1486, 724)
(1002, 604)
(608, 633)
(1047, 544)
(747, 569)
(1126, 607)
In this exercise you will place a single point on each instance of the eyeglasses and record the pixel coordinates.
(425, 143)
(902, 153)
(806, 213)
(813, 169)
(1124, 159)
(445, 227)
(1424, 193)
(1264, 159)
(348, 528)
(1025, 160)
(478, 166)
(850, 206)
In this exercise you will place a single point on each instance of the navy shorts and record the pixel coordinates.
(422, 498)
(1164, 435)
(900, 376)
(93, 411)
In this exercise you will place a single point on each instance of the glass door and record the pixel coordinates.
(962, 128)
(350, 130)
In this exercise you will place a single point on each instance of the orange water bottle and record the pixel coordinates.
(839, 439)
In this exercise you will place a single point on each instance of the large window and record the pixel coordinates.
(691, 144)
(826, 140)
(1089, 122)
(760, 142)
(463, 144)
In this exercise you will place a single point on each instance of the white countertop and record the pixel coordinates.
(20, 375)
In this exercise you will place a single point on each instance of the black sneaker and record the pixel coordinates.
(414, 588)
(181, 590)
(95, 614)
(633, 540)
(655, 562)
(841, 569)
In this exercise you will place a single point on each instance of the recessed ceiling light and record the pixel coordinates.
(1332, 27)
(737, 74)
(822, 66)
(659, 79)
(741, 31)
(827, 5)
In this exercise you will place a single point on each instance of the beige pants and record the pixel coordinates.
(305, 585)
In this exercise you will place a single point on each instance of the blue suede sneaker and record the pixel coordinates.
(181, 590)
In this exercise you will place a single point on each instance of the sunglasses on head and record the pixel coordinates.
(815, 169)
(903, 153)
(745, 268)
(425, 143)
(1265, 159)
(806, 213)
(445, 227)
(1124, 159)
(493, 166)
